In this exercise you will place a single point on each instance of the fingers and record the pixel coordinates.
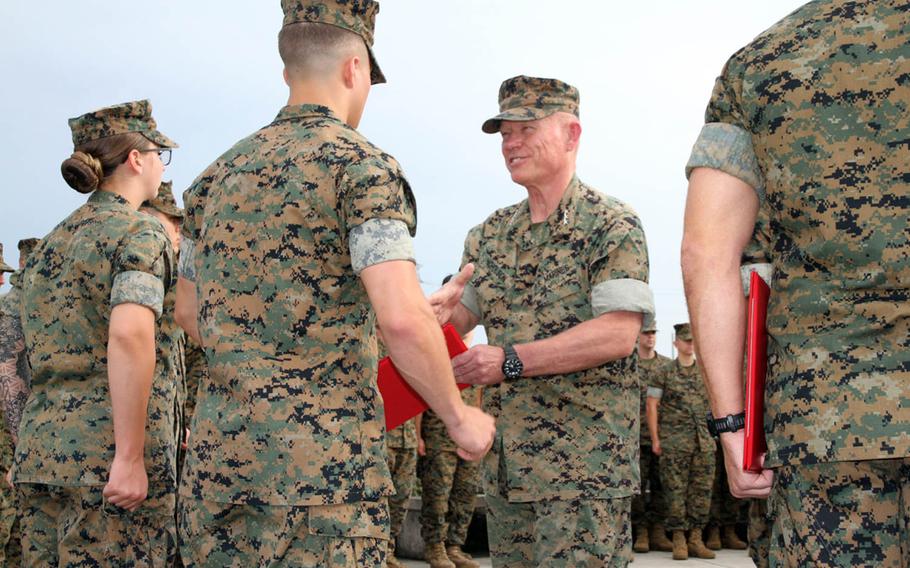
(464, 275)
(469, 456)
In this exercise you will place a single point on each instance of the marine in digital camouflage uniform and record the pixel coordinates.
(102, 256)
(287, 458)
(808, 123)
(648, 507)
(401, 445)
(449, 485)
(549, 280)
(686, 448)
(15, 382)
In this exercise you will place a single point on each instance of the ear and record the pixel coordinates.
(573, 135)
(134, 160)
(352, 66)
(287, 76)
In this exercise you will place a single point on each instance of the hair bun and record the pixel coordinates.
(82, 172)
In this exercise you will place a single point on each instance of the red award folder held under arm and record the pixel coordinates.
(401, 401)
(756, 369)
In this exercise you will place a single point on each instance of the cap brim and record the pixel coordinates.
(376, 75)
(520, 114)
(160, 139)
(4, 267)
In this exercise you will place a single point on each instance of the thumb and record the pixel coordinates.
(464, 275)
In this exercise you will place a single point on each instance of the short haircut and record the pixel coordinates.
(312, 49)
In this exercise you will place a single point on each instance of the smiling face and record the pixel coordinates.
(536, 150)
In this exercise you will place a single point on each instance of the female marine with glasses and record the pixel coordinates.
(95, 464)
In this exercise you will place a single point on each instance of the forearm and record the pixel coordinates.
(131, 366)
(13, 388)
(464, 320)
(720, 216)
(651, 410)
(589, 344)
(186, 310)
(412, 335)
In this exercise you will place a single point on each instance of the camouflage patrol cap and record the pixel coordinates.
(164, 201)
(4, 267)
(650, 327)
(26, 246)
(135, 116)
(683, 331)
(524, 98)
(358, 16)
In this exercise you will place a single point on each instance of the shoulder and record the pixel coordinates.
(500, 221)
(596, 209)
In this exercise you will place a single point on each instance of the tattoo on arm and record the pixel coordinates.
(14, 389)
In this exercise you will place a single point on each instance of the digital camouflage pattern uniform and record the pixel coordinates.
(287, 455)
(564, 466)
(812, 115)
(649, 509)
(104, 254)
(687, 449)
(448, 483)
(401, 444)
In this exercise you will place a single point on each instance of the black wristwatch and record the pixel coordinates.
(729, 423)
(512, 366)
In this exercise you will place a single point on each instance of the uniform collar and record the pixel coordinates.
(558, 224)
(292, 112)
(101, 197)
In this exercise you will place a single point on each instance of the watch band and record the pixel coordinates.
(729, 423)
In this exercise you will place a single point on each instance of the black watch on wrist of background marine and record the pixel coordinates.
(512, 366)
(729, 423)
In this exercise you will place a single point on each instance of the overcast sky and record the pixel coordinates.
(212, 71)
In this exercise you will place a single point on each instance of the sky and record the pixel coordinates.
(211, 68)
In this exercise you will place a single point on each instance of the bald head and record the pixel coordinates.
(316, 51)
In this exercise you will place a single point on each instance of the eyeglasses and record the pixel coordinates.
(163, 153)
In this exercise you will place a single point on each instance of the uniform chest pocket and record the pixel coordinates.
(561, 284)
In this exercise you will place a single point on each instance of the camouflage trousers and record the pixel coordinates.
(725, 508)
(582, 532)
(10, 545)
(841, 514)
(687, 475)
(403, 466)
(648, 508)
(759, 532)
(448, 487)
(216, 535)
(75, 526)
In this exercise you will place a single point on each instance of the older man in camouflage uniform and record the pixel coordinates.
(809, 122)
(297, 241)
(15, 381)
(681, 439)
(561, 288)
(649, 509)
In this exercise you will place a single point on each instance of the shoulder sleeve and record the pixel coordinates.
(619, 268)
(374, 187)
(471, 253)
(725, 141)
(143, 268)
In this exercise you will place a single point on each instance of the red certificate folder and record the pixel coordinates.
(401, 401)
(756, 369)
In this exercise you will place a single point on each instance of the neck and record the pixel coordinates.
(307, 94)
(544, 197)
(686, 360)
(646, 353)
(132, 192)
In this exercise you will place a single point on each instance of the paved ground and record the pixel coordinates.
(725, 559)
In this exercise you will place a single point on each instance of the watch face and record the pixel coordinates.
(512, 368)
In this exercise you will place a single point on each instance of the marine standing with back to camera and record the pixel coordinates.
(809, 121)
